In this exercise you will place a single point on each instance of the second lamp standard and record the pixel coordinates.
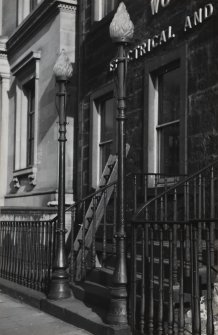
(59, 286)
(121, 32)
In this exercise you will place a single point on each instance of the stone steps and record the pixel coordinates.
(71, 310)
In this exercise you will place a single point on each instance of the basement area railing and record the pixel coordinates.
(27, 247)
(174, 260)
(26, 252)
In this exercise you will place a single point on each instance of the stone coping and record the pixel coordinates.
(27, 210)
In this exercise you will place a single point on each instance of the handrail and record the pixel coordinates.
(102, 189)
(91, 195)
(157, 174)
(180, 222)
(182, 182)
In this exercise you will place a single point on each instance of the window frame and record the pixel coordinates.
(33, 4)
(103, 142)
(98, 11)
(163, 125)
(29, 90)
(1, 13)
(26, 72)
(150, 133)
(95, 131)
(24, 8)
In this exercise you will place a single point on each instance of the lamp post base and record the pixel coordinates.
(59, 286)
(118, 306)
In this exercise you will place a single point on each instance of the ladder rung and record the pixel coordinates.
(85, 238)
(110, 166)
(81, 242)
(106, 177)
(98, 198)
(89, 219)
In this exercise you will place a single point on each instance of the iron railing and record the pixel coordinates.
(157, 304)
(146, 186)
(26, 252)
(173, 261)
(91, 241)
(27, 247)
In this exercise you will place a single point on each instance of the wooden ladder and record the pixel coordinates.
(109, 176)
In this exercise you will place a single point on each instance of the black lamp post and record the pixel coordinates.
(59, 286)
(121, 32)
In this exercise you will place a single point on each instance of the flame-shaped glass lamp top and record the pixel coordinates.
(121, 27)
(63, 68)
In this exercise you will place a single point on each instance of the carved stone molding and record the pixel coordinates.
(3, 55)
(29, 173)
(67, 8)
(31, 57)
(32, 178)
(37, 19)
(16, 183)
(3, 41)
(3, 48)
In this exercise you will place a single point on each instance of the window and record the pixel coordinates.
(165, 139)
(26, 73)
(24, 8)
(103, 7)
(29, 91)
(103, 131)
(105, 110)
(33, 4)
(168, 129)
(1, 11)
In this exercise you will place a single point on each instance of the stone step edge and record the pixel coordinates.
(70, 310)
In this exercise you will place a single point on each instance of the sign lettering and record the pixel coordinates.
(155, 4)
(151, 43)
(199, 16)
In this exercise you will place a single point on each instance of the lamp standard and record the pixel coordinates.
(121, 33)
(59, 286)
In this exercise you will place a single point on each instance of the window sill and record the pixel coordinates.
(25, 171)
(30, 172)
(162, 182)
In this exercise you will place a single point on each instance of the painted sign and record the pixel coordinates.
(156, 4)
(166, 35)
(198, 17)
(151, 43)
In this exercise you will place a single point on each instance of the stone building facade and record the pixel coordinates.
(172, 92)
(32, 35)
(172, 122)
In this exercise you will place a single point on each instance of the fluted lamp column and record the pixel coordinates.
(121, 33)
(59, 286)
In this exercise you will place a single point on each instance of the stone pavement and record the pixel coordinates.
(17, 318)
